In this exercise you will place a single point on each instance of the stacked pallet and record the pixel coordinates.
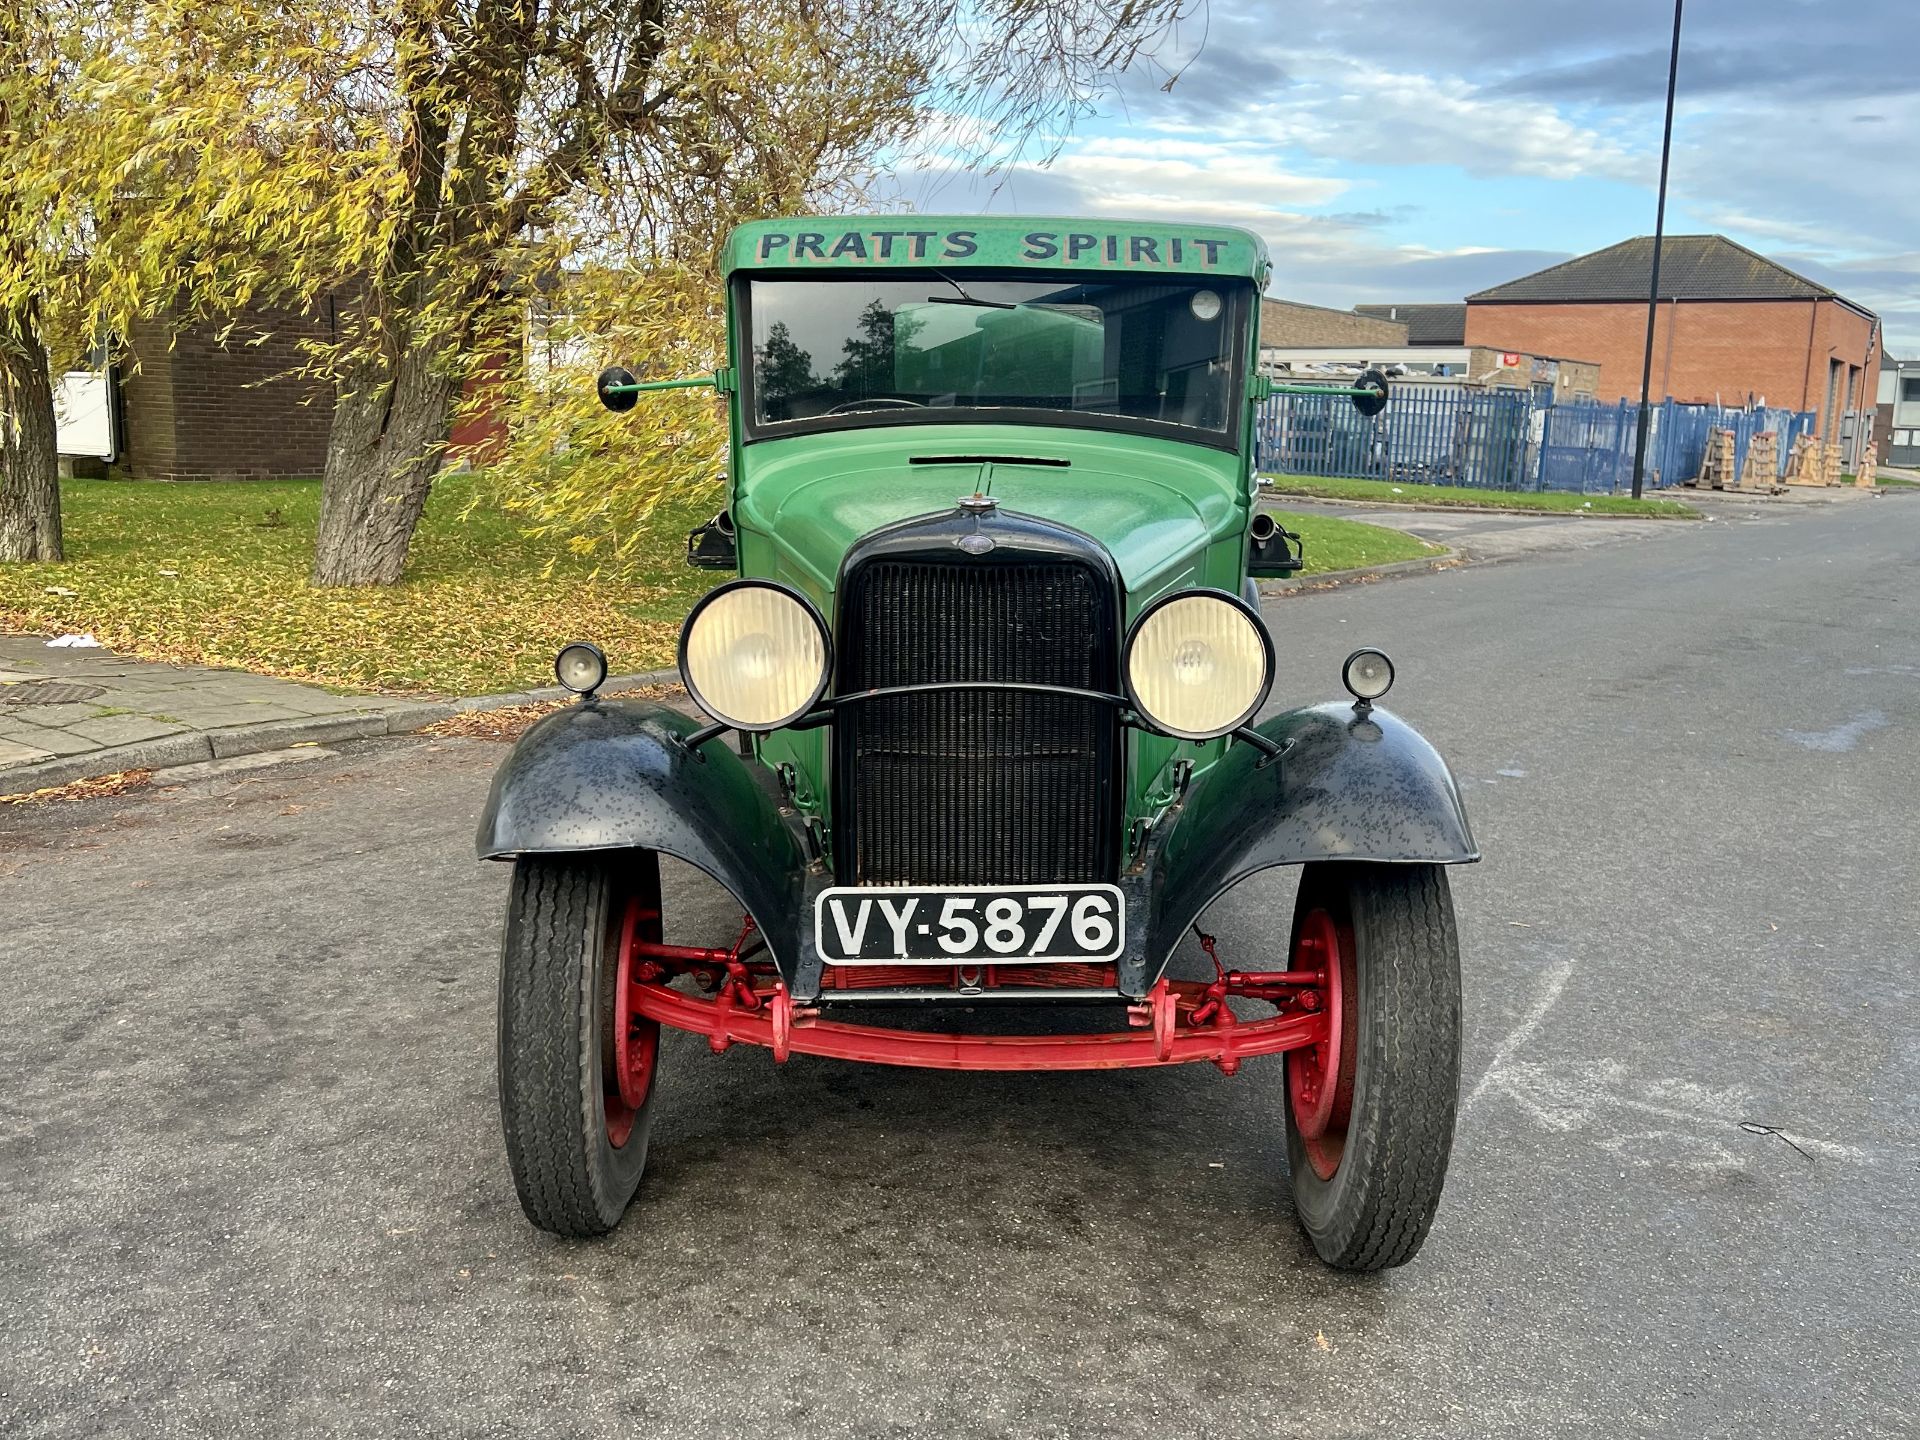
(1716, 466)
(1761, 471)
(1807, 463)
(1863, 477)
(1830, 462)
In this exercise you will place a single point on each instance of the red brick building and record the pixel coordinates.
(226, 401)
(197, 404)
(1733, 326)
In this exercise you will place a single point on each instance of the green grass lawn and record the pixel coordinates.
(1890, 482)
(1402, 492)
(216, 574)
(1349, 545)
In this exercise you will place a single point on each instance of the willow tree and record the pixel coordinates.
(148, 149)
(38, 61)
(528, 136)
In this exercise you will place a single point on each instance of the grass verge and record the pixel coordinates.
(216, 574)
(1332, 544)
(1409, 493)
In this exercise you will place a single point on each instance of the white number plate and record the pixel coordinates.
(1017, 924)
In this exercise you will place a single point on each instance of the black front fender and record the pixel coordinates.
(1346, 787)
(616, 775)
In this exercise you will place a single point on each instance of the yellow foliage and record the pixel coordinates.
(166, 155)
(578, 472)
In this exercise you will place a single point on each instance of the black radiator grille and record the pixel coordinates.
(977, 787)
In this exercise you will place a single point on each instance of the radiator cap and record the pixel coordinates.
(978, 504)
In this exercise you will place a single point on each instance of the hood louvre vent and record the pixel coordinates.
(988, 460)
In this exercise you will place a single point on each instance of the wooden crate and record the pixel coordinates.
(1807, 462)
(1863, 477)
(1716, 466)
(1761, 472)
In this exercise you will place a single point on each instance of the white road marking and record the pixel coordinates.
(1549, 996)
(1604, 1099)
(1841, 738)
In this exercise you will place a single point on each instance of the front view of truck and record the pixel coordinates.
(997, 674)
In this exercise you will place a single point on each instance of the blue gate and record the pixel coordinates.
(1435, 436)
(1587, 448)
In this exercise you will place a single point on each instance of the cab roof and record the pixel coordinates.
(998, 242)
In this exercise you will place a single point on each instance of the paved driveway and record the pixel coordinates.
(251, 1179)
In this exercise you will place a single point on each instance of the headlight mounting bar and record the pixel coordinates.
(824, 711)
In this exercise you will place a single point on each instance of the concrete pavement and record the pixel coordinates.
(67, 714)
(57, 702)
(1478, 536)
(251, 1176)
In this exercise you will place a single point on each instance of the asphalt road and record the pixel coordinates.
(251, 1179)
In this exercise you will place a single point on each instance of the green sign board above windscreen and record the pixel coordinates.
(996, 242)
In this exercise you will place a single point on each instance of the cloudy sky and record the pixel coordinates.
(1412, 150)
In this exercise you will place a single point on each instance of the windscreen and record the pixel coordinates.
(1158, 352)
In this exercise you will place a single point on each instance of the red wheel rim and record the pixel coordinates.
(636, 1040)
(1320, 1076)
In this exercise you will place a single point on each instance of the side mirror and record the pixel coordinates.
(1370, 393)
(617, 388)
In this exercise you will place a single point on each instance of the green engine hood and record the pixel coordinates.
(1170, 514)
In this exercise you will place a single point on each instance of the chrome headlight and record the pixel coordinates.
(1199, 664)
(755, 655)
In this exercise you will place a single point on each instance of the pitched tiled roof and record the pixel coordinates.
(1426, 324)
(1692, 267)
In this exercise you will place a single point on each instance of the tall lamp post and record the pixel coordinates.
(1659, 234)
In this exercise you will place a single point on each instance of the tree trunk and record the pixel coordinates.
(29, 459)
(389, 433)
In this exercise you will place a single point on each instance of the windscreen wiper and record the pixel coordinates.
(963, 298)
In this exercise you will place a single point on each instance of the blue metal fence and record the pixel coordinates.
(1440, 435)
(1505, 439)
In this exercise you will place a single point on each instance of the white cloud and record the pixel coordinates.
(1354, 111)
(1157, 172)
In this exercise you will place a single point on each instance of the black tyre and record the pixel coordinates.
(1370, 1117)
(576, 1135)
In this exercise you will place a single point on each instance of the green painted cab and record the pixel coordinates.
(1096, 378)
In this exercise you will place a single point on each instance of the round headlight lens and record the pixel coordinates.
(581, 668)
(1199, 664)
(1368, 674)
(754, 655)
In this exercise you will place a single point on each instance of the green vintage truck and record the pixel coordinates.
(985, 704)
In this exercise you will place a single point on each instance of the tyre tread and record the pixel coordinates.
(1410, 1042)
(548, 1008)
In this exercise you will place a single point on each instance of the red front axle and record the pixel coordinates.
(1180, 1021)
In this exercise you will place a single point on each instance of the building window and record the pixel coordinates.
(1910, 387)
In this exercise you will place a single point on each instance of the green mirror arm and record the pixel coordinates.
(720, 380)
(1266, 385)
(1323, 390)
(620, 391)
(1369, 396)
